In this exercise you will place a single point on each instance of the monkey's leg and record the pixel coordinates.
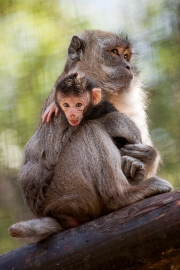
(150, 187)
(133, 169)
(35, 229)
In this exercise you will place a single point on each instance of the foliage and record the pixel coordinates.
(164, 111)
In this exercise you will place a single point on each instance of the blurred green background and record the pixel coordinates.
(34, 38)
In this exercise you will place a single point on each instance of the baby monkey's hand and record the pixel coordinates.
(52, 108)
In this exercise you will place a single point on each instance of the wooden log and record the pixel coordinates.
(145, 235)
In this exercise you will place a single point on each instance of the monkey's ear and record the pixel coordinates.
(75, 48)
(96, 95)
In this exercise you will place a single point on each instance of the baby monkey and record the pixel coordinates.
(80, 99)
(77, 98)
(77, 101)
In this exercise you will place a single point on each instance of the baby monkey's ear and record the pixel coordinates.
(96, 95)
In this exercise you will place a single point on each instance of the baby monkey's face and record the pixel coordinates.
(74, 107)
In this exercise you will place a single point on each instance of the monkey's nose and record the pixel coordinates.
(128, 67)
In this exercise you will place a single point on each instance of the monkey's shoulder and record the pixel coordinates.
(115, 118)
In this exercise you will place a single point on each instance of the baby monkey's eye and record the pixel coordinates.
(79, 104)
(66, 105)
(115, 51)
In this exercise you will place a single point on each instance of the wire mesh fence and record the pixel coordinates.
(34, 38)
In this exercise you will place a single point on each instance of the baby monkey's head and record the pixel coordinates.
(76, 96)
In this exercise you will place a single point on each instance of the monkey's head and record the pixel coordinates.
(105, 57)
(76, 96)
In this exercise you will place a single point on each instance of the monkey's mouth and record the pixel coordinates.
(74, 122)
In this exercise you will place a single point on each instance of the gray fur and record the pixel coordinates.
(87, 181)
(74, 174)
(35, 229)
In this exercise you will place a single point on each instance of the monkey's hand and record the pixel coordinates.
(144, 153)
(133, 169)
(52, 108)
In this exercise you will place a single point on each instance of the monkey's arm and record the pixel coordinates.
(35, 174)
(136, 156)
(144, 153)
(41, 155)
(118, 125)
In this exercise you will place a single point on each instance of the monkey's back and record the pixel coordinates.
(83, 175)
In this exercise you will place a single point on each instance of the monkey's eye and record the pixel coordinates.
(66, 105)
(126, 56)
(115, 51)
(79, 104)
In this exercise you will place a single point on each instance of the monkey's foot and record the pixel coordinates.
(15, 231)
(162, 185)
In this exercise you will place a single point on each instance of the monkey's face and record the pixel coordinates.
(106, 58)
(74, 107)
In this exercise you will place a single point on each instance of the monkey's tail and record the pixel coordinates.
(35, 229)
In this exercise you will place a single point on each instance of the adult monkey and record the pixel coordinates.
(109, 60)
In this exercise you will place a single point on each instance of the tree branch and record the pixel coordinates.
(145, 235)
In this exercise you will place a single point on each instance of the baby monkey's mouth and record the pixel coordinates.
(74, 122)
